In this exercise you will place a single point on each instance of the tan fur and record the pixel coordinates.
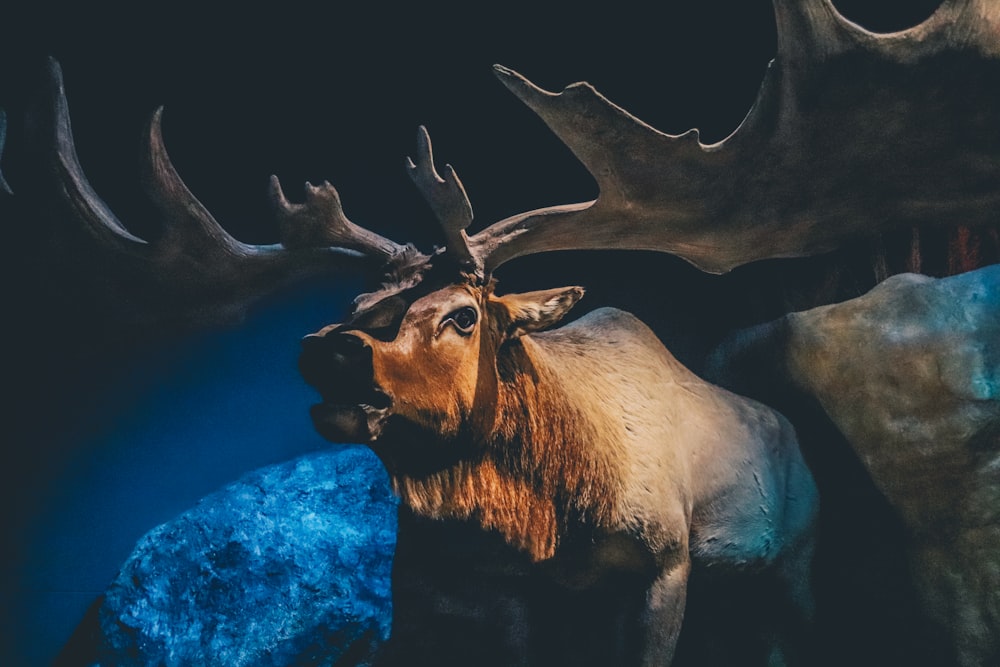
(539, 467)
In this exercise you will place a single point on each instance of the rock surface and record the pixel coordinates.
(910, 375)
(288, 566)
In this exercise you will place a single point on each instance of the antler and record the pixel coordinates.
(201, 268)
(879, 143)
(321, 222)
(447, 198)
(4, 188)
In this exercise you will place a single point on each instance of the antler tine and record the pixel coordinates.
(4, 188)
(448, 200)
(191, 228)
(95, 214)
(321, 221)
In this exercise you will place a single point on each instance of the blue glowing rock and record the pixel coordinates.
(289, 565)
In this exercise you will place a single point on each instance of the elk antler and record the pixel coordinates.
(198, 265)
(852, 134)
(447, 198)
(321, 221)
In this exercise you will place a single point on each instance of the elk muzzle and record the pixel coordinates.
(338, 364)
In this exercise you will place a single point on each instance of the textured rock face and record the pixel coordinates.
(910, 375)
(289, 565)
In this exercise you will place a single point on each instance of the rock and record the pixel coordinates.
(910, 374)
(289, 565)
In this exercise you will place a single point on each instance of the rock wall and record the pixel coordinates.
(289, 565)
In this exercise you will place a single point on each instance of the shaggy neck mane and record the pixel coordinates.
(539, 468)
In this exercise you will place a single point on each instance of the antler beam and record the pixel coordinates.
(885, 131)
(199, 267)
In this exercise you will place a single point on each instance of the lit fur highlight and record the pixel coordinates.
(538, 470)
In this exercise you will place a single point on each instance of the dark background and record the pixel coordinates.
(108, 436)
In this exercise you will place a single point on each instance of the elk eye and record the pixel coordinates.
(464, 319)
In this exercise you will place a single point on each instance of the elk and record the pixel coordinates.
(853, 135)
(483, 414)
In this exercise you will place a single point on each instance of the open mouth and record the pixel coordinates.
(348, 423)
(353, 407)
(349, 413)
(342, 393)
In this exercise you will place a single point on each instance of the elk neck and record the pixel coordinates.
(538, 467)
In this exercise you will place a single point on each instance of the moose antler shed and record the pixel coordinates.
(574, 493)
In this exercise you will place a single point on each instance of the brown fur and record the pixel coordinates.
(536, 471)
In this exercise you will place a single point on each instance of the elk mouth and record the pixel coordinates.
(353, 407)
(349, 414)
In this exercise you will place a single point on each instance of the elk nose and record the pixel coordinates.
(332, 343)
(335, 357)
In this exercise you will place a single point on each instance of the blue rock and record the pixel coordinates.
(290, 565)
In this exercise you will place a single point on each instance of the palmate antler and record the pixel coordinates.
(852, 134)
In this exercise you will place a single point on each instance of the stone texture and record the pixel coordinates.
(910, 375)
(288, 566)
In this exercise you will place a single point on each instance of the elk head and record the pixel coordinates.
(425, 351)
(438, 372)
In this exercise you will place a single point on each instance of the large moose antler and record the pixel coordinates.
(825, 155)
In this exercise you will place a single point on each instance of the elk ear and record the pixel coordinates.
(533, 311)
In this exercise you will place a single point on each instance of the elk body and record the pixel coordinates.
(589, 448)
